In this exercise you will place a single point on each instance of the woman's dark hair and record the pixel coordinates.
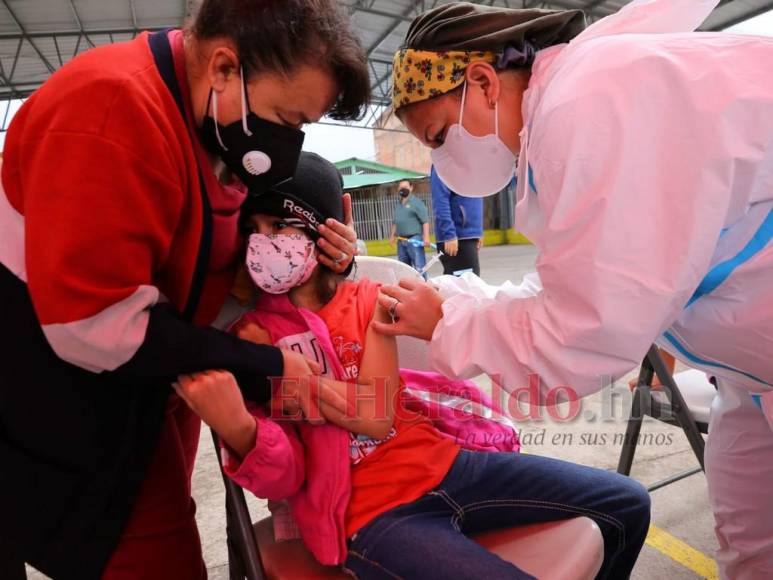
(327, 283)
(280, 35)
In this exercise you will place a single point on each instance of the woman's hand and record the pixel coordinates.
(300, 392)
(215, 397)
(339, 241)
(416, 307)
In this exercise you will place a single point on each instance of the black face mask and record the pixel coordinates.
(404, 192)
(263, 156)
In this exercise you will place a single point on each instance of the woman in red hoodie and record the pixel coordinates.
(122, 180)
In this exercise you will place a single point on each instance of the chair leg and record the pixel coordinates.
(678, 406)
(632, 430)
(639, 407)
(235, 562)
(244, 558)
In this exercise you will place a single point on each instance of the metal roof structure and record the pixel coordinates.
(39, 36)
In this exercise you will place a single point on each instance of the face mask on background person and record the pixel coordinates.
(474, 166)
(278, 263)
(261, 153)
(404, 192)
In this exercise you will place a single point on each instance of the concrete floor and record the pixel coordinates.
(681, 509)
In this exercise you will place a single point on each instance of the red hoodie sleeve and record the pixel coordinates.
(103, 191)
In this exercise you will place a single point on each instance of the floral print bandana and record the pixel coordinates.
(418, 75)
(278, 263)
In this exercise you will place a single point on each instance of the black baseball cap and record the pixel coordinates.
(314, 194)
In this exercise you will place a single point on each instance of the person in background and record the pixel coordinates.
(458, 228)
(411, 223)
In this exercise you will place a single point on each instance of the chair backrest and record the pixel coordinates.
(412, 353)
(382, 270)
(698, 393)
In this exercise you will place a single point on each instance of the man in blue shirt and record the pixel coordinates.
(410, 228)
(458, 228)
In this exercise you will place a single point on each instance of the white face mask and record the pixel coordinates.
(474, 166)
(278, 263)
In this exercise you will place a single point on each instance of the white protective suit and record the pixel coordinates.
(645, 180)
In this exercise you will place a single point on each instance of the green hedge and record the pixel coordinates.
(490, 238)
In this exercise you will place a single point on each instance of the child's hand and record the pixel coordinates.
(252, 332)
(215, 397)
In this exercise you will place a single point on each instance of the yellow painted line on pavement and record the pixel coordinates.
(682, 553)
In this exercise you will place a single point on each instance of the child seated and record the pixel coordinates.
(379, 490)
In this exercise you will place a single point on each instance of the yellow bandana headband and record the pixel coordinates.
(418, 75)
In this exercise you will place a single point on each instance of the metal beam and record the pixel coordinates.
(375, 75)
(16, 58)
(383, 119)
(5, 116)
(133, 11)
(360, 7)
(43, 58)
(383, 37)
(76, 15)
(78, 22)
(15, 92)
(58, 52)
(70, 32)
(381, 80)
(361, 127)
(7, 83)
(378, 60)
(397, 22)
(77, 46)
(190, 9)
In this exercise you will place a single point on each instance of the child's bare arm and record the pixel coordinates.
(375, 388)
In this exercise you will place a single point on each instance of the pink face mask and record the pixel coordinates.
(278, 263)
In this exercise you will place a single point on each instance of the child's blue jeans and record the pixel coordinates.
(427, 539)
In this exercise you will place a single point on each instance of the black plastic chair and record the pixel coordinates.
(674, 411)
(243, 556)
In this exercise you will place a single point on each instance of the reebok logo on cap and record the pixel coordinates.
(305, 214)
